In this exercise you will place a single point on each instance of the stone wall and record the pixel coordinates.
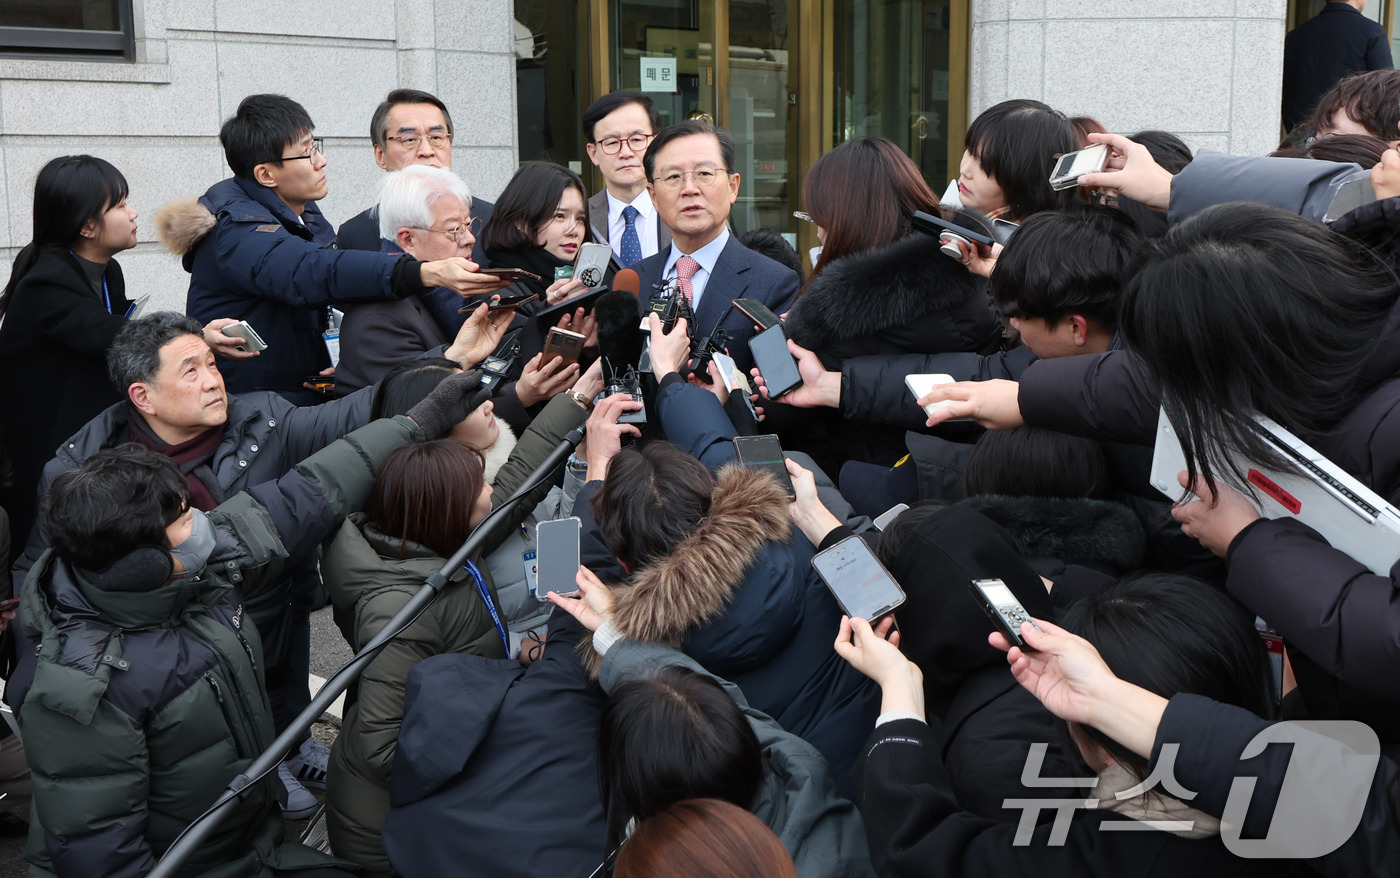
(158, 119)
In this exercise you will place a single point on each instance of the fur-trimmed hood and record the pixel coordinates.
(732, 551)
(886, 288)
(1090, 533)
(182, 224)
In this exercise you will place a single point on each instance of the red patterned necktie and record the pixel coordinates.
(685, 270)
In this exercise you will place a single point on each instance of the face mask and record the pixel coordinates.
(814, 254)
(194, 552)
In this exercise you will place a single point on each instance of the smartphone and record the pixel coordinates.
(556, 543)
(764, 452)
(511, 274)
(591, 264)
(970, 230)
(1002, 607)
(510, 303)
(775, 362)
(1073, 165)
(322, 383)
(6, 606)
(757, 312)
(860, 583)
(251, 340)
(563, 343)
(884, 519)
(920, 385)
(734, 380)
(137, 307)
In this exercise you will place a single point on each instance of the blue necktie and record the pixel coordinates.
(631, 244)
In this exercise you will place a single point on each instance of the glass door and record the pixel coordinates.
(762, 113)
(666, 48)
(895, 76)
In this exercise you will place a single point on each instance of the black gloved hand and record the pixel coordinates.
(449, 403)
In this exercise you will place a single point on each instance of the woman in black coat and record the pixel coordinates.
(1246, 308)
(63, 305)
(1166, 635)
(879, 288)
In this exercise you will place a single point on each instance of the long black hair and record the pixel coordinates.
(1246, 308)
(1016, 143)
(527, 204)
(1170, 633)
(70, 191)
(673, 735)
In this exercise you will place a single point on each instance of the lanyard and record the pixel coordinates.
(490, 605)
(106, 294)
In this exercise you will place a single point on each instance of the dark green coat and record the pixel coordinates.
(141, 705)
(364, 575)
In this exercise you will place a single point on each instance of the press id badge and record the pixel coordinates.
(332, 337)
(532, 572)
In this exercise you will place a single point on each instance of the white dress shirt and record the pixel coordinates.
(707, 256)
(646, 224)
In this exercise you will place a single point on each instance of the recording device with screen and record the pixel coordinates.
(1073, 165)
(499, 368)
(1002, 607)
(774, 361)
(630, 383)
(765, 453)
(860, 583)
(557, 545)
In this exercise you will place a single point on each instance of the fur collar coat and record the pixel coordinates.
(907, 297)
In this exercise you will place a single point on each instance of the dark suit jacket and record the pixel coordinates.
(377, 336)
(1337, 41)
(598, 221)
(739, 273)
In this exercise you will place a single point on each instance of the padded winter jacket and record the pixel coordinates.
(143, 700)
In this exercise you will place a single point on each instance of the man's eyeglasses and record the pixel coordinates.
(703, 177)
(636, 143)
(436, 139)
(460, 234)
(318, 147)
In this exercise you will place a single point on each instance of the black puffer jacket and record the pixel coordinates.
(906, 298)
(1282, 570)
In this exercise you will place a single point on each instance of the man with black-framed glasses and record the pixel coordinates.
(258, 248)
(617, 129)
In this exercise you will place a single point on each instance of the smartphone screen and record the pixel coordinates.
(729, 373)
(765, 453)
(861, 584)
(774, 361)
(558, 556)
(886, 518)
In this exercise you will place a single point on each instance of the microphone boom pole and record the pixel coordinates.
(267, 761)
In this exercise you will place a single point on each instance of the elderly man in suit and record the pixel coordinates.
(691, 178)
(617, 128)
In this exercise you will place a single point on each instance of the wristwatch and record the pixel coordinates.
(580, 398)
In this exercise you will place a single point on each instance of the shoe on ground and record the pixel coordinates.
(301, 804)
(308, 764)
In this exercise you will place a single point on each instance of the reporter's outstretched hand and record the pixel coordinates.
(818, 388)
(225, 346)
(1132, 171)
(605, 433)
(461, 277)
(540, 380)
(1213, 522)
(1063, 670)
(866, 649)
(993, 404)
(593, 604)
(479, 335)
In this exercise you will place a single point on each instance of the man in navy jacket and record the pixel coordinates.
(1319, 52)
(692, 180)
(259, 249)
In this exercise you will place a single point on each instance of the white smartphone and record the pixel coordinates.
(591, 264)
(251, 340)
(1073, 165)
(920, 385)
(884, 519)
